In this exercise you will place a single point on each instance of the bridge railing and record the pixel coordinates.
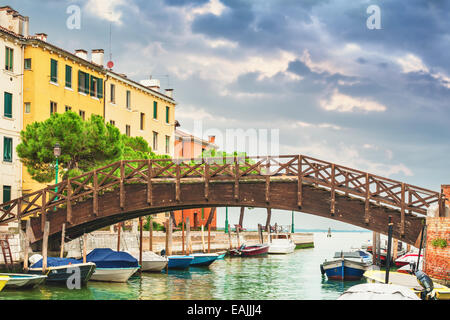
(337, 179)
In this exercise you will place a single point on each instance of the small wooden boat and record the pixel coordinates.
(112, 266)
(377, 291)
(151, 262)
(346, 265)
(408, 258)
(179, 262)
(23, 281)
(250, 251)
(203, 259)
(408, 281)
(3, 281)
(59, 270)
(281, 243)
(222, 255)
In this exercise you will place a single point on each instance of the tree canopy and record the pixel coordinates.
(85, 145)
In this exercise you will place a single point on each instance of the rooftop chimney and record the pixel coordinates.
(169, 93)
(153, 84)
(211, 139)
(97, 56)
(81, 53)
(41, 36)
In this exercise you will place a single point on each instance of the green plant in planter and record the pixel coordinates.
(439, 242)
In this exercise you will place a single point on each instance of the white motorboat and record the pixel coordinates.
(151, 261)
(281, 243)
(113, 274)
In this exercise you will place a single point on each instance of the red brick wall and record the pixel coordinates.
(437, 260)
(446, 192)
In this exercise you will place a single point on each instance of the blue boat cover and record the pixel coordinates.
(56, 262)
(107, 258)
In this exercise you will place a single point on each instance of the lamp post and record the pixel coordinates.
(57, 153)
(226, 219)
(292, 225)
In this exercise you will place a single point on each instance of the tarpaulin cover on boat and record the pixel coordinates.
(56, 262)
(107, 258)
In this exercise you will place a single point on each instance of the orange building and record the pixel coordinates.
(189, 146)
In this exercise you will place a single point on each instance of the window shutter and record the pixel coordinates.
(7, 112)
(86, 83)
(99, 88)
(53, 70)
(68, 76)
(92, 87)
(7, 149)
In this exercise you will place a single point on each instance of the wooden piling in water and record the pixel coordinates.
(141, 244)
(229, 236)
(182, 232)
(45, 245)
(170, 229)
(63, 235)
(27, 245)
(237, 236)
(151, 234)
(188, 235)
(374, 248)
(166, 247)
(119, 227)
(203, 240)
(209, 238)
(395, 249)
(84, 247)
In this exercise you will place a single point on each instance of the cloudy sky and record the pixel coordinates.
(373, 99)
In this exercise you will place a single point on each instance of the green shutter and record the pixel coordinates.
(167, 114)
(7, 149)
(9, 54)
(86, 83)
(68, 76)
(99, 88)
(6, 196)
(53, 70)
(79, 81)
(7, 112)
(92, 91)
(6, 58)
(155, 110)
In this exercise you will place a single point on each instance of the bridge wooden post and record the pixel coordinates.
(333, 192)
(44, 209)
(402, 213)
(27, 244)
(45, 246)
(63, 236)
(241, 217)
(69, 202)
(177, 183)
(236, 179)
(150, 234)
(206, 177)
(95, 191)
(269, 215)
(300, 182)
(122, 187)
(19, 210)
(367, 202)
(149, 181)
(267, 181)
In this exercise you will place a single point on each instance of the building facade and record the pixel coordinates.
(13, 30)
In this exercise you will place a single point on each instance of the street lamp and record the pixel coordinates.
(57, 153)
(226, 219)
(292, 225)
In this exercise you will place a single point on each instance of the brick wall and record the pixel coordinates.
(437, 260)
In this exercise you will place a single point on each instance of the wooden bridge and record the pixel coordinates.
(131, 188)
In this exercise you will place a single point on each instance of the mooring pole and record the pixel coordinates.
(63, 235)
(209, 238)
(119, 227)
(84, 247)
(27, 245)
(182, 232)
(388, 254)
(420, 247)
(150, 234)
(292, 225)
(141, 245)
(45, 246)
(374, 248)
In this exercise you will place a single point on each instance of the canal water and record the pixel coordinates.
(294, 276)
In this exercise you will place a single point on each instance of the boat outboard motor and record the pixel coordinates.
(163, 252)
(322, 270)
(426, 283)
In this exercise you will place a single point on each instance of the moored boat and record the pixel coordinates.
(346, 265)
(250, 251)
(281, 243)
(3, 281)
(377, 291)
(23, 281)
(203, 259)
(408, 258)
(179, 262)
(112, 266)
(151, 262)
(59, 270)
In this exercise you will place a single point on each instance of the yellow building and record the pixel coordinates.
(139, 109)
(56, 80)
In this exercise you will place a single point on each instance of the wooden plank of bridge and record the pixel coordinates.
(45, 246)
(27, 244)
(95, 193)
(177, 183)
(367, 202)
(63, 235)
(69, 202)
(43, 209)
(300, 182)
(402, 212)
(122, 186)
(149, 182)
(236, 179)
(206, 176)
(333, 192)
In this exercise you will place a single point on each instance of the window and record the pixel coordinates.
(53, 107)
(7, 109)
(167, 114)
(112, 122)
(167, 144)
(27, 107)
(155, 110)
(113, 93)
(128, 99)
(155, 141)
(82, 114)
(127, 130)
(6, 196)
(27, 64)
(7, 149)
(9, 54)
(83, 82)
(53, 70)
(68, 108)
(142, 120)
(68, 76)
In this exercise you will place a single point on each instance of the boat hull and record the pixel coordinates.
(251, 251)
(281, 248)
(180, 262)
(3, 282)
(23, 281)
(203, 260)
(153, 266)
(113, 274)
(344, 270)
(60, 275)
